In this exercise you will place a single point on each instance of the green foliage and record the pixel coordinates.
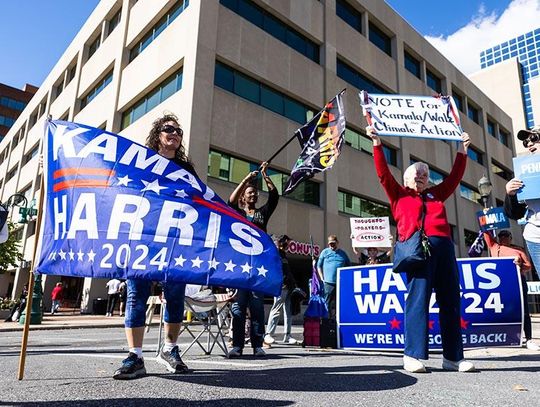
(10, 255)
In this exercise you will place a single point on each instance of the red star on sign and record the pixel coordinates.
(395, 323)
(431, 324)
(464, 324)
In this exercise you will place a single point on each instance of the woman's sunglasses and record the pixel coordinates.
(533, 138)
(171, 129)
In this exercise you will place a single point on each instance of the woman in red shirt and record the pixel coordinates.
(440, 272)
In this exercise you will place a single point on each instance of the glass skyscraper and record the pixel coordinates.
(526, 48)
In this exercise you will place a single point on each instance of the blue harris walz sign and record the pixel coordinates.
(371, 305)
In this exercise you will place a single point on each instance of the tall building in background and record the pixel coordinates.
(510, 75)
(243, 75)
(12, 103)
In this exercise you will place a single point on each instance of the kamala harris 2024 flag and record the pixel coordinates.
(114, 208)
(321, 140)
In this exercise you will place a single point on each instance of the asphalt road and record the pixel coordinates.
(74, 367)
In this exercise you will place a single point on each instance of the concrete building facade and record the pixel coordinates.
(510, 75)
(242, 76)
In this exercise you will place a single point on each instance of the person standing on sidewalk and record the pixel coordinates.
(57, 295)
(243, 199)
(282, 302)
(166, 138)
(113, 293)
(505, 248)
(123, 296)
(330, 259)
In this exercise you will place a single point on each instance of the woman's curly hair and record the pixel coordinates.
(152, 141)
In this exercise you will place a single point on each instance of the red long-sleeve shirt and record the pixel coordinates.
(406, 203)
(498, 250)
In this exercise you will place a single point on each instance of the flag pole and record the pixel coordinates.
(26, 329)
(281, 148)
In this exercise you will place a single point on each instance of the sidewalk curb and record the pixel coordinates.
(67, 326)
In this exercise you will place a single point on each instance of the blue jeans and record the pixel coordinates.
(256, 309)
(138, 292)
(330, 298)
(440, 273)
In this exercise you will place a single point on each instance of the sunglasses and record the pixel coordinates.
(533, 138)
(171, 129)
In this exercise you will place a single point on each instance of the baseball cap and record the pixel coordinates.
(524, 134)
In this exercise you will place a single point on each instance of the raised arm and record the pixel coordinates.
(239, 190)
(387, 180)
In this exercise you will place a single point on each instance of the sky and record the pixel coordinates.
(35, 33)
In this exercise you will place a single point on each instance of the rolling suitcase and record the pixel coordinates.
(312, 327)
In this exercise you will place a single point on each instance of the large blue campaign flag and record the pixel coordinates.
(371, 304)
(114, 208)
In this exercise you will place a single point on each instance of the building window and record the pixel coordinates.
(113, 22)
(94, 45)
(473, 113)
(470, 237)
(17, 139)
(6, 121)
(256, 92)
(469, 193)
(491, 128)
(71, 74)
(157, 95)
(355, 78)
(12, 103)
(31, 154)
(458, 99)
(276, 28)
(363, 143)
(433, 81)
(157, 29)
(349, 14)
(11, 173)
(97, 89)
(504, 137)
(380, 39)
(412, 65)
(501, 171)
(228, 168)
(355, 205)
(475, 155)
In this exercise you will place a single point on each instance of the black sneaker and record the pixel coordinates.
(132, 367)
(172, 360)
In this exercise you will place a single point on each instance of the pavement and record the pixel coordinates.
(66, 366)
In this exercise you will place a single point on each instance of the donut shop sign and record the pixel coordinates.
(303, 249)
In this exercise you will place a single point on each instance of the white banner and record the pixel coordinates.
(533, 287)
(370, 232)
(412, 116)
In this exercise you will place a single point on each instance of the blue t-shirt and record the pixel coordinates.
(330, 261)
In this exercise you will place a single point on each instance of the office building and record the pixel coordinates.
(242, 76)
(12, 103)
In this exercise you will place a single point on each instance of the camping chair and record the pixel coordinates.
(209, 312)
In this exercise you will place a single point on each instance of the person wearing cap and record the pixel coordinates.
(374, 255)
(330, 259)
(415, 204)
(283, 301)
(505, 248)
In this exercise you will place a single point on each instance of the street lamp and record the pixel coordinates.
(485, 187)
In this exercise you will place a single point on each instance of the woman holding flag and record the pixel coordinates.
(416, 204)
(243, 199)
(166, 138)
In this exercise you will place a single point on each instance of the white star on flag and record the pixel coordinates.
(213, 263)
(246, 268)
(124, 180)
(196, 262)
(62, 254)
(91, 255)
(229, 266)
(179, 261)
(80, 255)
(262, 271)
(71, 254)
(181, 193)
(152, 186)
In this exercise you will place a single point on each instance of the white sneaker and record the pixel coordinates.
(413, 365)
(290, 341)
(462, 365)
(532, 345)
(269, 339)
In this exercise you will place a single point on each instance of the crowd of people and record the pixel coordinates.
(415, 205)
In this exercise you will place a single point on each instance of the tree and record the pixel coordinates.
(10, 255)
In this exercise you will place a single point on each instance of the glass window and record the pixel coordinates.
(294, 111)
(246, 88)
(412, 65)
(349, 14)
(380, 39)
(96, 90)
(12, 103)
(504, 136)
(433, 81)
(473, 114)
(157, 95)
(358, 206)
(491, 128)
(501, 171)
(224, 77)
(158, 28)
(458, 99)
(475, 155)
(272, 100)
(113, 22)
(469, 193)
(273, 26)
(93, 47)
(355, 78)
